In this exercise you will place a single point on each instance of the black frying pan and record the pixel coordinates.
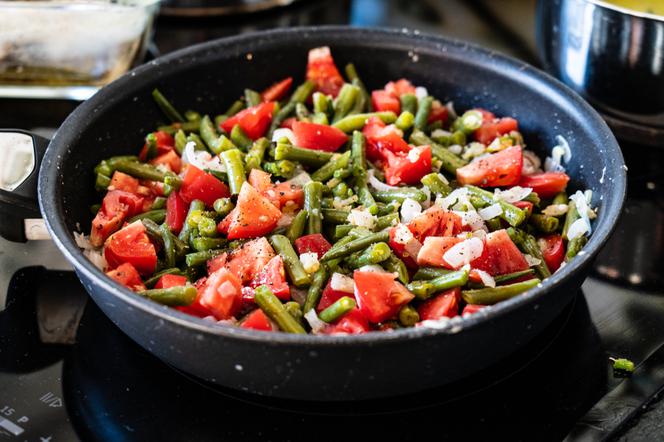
(207, 78)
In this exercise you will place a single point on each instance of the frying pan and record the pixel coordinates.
(323, 368)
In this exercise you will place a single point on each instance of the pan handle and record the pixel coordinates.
(21, 154)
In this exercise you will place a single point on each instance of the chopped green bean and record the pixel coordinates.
(493, 295)
(274, 309)
(298, 276)
(313, 192)
(357, 121)
(424, 289)
(235, 169)
(423, 111)
(297, 226)
(166, 107)
(173, 296)
(339, 308)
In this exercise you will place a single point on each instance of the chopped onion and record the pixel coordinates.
(314, 321)
(474, 150)
(512, 195)
(372, 268)
(414, 155)
(471, 218)
(338, 203)
(300, 179)
(402, 234)
(437, 324)
(378, 184)
(82, 241)
(409, 210)
(457, 195)
(96, 257)
(201, 159)
(487, 279)
(560, 151)
(531, 260)
(421, 92)
(451, 111)
(456, 149)
(284, 132)
(555, 209)
(286, 219)
(490, 212)
(362, 218)
(583, 207)
(342, 283)
(531, 163)
(562, 142)
(310, 262)
(464, 252)
(578, 228)
(440, 133)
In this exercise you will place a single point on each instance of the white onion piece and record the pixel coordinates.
(378, 184)
(282, 132)
(300, 179)
(402, 234)
(82, 241)
(309, 262)
(201, 159)
(464, 252)
(490, 212)
(362, 218)
(511, 195)
(451, 111)
(584, 210)
(421, 92)
(314, 321)
(578, 228)
(531, 260)
(487, 279)
(560, 152)
(457, 195)
(286, 219)
(531, 163)
(342, 283)
(562, 142)
(409, 210)
(372, 268)
(96, 257)
(555, 209)
(471, 218)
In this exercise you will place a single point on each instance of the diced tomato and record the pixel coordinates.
(318, 136)
(500, 255)
(433, 249)
(402, 168)
(323, 72)
(169, 159)
(195, 308)
(384, 101)
(405, 245)
(128, 276)
(257, 320)
(330, 296)
(381, 137)
(288, 123)
(469, 309)
(499, 169)
(254, 121)
(487, 117)
(491, 129)
(278, 90)
(438, 113)
(176, 211)
(199, 185)
(399, 87)
(524, 205)
(428, 223)
(124, 182)
(352, 323)
(272, 275)
(115, 208)
(312, 243)
(165, 144)
(245, 262)
(168, 281)
(278, 194)
(553, 251)
(444, 305)
(379, 296)
(259, 180)
(253, 216)
(451, 224)
(222, 294)
(289, 192)
(131, 244)
(547, 184)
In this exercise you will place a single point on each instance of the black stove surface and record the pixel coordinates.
(67, 373)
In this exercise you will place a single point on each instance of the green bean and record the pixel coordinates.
(102, 182)
(207, 227)
(198, 142)
(169, 245)
(209, 134)
(532, 197)
(493, 295)
(200, 258)
(434, 126)
(511, 276)
(166, 106)
(423, 111)
(235, 169)
(173, 296)
(137, 170)
(341, 230)
(313, 192)
(426, 289)
(315, 291)
(357, 121)
(158, 203)
(399, 195)
(494, 224)
(203, 244)
(274, 309)
(151, 144)
(408, 316)
(574, 246)
(355, 245)
(544, 223)
(386, 209)
(405, 121)
(223, 206)
(171, 182)
(234, 108)
(342, 190)
(281, 168)
(191, 115)
(195, 206)
(560, 198)
(354, 77)
(300, 95)
(622, 365)
(239, 138)
(322, 103)
(469, 122)
(252, 98)
(187, 126)
(325, 172)
(308, 157)
(527, 244)
(156, 215)
(302, 113)
(345, 101)
(294, 309)
(154, 232)
(394, 265)
(437, 184)
(374, 254)
(512, 214)
(320, 118)
(339, 308)
(298, 276)
(450, 161)
(335, 216)
(297, 226)
(430, 273)
(358, 153)
(180, 141)
(409, 103)
(150, 282)
(571, 216)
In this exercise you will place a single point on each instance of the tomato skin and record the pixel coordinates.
(500, 255)
(170, 159)
(379, 297)
(288, 123)
(257, 320)
(401, 168)
(352, 323)
(547, 184)
(116, 206)
(278, 90)
(315, 243)
(165, 143)
(168, 281)
(272, 275)
(253, 216)
(195, 308)
(323, 72)
(124, 182)
(131, 244)
(399, 87)
(222, 294)
(491, 129)
(176, 211)
(199, 185)
(433, 249)
(524, 205)
(381, 137)
(435, 221)
(499, 169)
(385, 101)
(469, 309)
(438, 113)
(318, 136)
(128, 276)
(279, 194)
(254, 121)
(444, 305)
(553, 251)
(245, 262)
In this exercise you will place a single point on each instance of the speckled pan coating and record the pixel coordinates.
(207, 78)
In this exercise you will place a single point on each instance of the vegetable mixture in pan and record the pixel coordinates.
(331, 209)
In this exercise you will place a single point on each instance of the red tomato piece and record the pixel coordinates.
(169, 159)
(318, 136)
(438, 113)
(407, 168)
(385, 101)
(487, 117)
(124, 182)
(491, 129)
(451, 224)
(553, 251)
(433, 249)
(524, 205)
(222, 294)
(399, 87)
(272, 275)
(329, 297)
(499, 169)
(323, 72)
(254, 121)
(428, 223)
(168, 281)
(165, 143)
(312, 243)
(115, 208)
(257, 320)
(381, 137)
(199, 185)
(131, 244)
(405, 245)
(195, 308)
(254, 215)
(288, 123)
(547, 184)
(245, 262)
(176, 211)
(128, 276)
(278, 194)
(278, 90)
(500, 255)
(352, 323)
(469, 309)
(444, 305)
(379, 296)
(259, 180)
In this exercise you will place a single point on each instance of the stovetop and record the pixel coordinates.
(67, 373)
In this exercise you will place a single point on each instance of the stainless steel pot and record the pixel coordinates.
(612, 56)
